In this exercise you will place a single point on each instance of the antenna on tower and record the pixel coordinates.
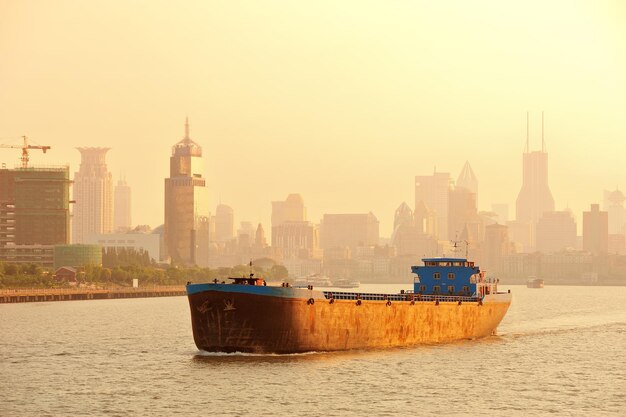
(527, 134)
(543, 142)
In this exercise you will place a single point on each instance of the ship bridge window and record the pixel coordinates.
(450, 275)
(457, 263)
(436, 275)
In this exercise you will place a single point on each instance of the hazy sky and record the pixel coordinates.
(341, 101)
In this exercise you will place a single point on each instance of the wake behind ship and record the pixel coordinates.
(451, 300)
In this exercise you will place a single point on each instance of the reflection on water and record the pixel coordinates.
(558, 350)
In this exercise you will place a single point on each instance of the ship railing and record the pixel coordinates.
(398, 297)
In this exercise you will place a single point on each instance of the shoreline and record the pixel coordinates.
(34, 295)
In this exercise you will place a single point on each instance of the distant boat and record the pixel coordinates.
(314, 280)
(345, 283)
(533, 282)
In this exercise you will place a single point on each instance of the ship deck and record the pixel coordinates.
(406, 296)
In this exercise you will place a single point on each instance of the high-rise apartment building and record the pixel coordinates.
(434, 192)
(296, 239)
(93, 194)
(121, 213)
(556, 230)
(34, 206)
(187, 205)
(351, 230)
(496, 247)
(596, 230)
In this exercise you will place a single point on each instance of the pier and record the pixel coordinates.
(32, 295)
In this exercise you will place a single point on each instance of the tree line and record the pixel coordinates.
(119, 268)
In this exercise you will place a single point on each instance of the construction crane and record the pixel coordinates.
(25, 147)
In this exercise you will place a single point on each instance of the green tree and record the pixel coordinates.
(278, 272)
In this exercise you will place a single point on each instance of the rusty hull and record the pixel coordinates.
(240, 322)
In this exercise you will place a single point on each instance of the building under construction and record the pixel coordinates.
(34, 208)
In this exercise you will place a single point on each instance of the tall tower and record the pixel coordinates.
(434, 192)
(260, 242)
(122, 219)
(467, 179)
(614, 205)
(535, 197)
(93, 193)
(187, 205)
(403, 216)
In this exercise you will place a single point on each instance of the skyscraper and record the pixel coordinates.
(290, 210)
(410, 236)
(296, 239)
(434, 191)
(596, 230)
(260, 242)
(224, 223)
(467, 179)
(403, 216)
(122, 218)
(496, 246)
(462, 212)
(187, 205)
(93, 193)
(535, 197)
(351, 230)
(556, 230)
(34, 206)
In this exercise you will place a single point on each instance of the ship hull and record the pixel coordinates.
(296, 321)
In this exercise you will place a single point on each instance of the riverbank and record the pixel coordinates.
(30, 295)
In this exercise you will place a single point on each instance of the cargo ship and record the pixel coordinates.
(451, 300)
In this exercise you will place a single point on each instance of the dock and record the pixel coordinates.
(33, 295)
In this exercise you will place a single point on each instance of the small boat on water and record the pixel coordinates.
(451, 300)
(315, 280)
(533, 282)
(346, 283)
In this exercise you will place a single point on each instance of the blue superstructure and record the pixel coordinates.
(446, 276)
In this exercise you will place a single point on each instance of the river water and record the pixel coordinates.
(560, 350)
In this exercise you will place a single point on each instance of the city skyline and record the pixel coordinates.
(346, 113)
(386, 219)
